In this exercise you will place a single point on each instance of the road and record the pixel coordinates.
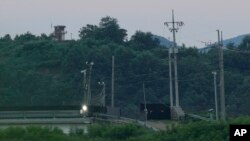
(45, 121)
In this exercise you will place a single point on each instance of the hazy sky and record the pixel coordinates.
(201, 17)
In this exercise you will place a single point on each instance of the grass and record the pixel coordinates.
(191, 131)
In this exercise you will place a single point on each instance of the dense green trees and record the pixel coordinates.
(108, 29)
(245, 45)
(35, 70)
(141, 40)
(6, 38)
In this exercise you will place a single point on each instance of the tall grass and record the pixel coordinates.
(193, 131)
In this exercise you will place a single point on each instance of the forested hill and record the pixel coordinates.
(35, 70)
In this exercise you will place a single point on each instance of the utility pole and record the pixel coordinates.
(170, 78)
(215, 96)
(174, 29)
(112, 81)
(221, 66)
(84, 87)
(145, 104)
(89, 81)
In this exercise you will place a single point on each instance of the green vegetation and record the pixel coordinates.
(192, 131)
(37, 71)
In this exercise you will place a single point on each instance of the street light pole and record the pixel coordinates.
(84, 86)
(89, 81)
(215, 96)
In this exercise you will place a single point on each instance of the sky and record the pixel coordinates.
(201, 17)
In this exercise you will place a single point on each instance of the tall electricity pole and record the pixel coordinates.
(174, 29)
(112, 81)
(221, 66)
(170, 77)
(215, 96)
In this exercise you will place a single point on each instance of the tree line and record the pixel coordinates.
(37, 71)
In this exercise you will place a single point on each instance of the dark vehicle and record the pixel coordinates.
(156, 111)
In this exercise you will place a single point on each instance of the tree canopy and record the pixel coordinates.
(35, 70)
(142, 40)
(108, 29)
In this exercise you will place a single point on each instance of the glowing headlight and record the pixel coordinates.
(84, 108)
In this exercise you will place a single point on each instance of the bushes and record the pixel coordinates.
(96, 132)
(193, 131)
(117, 132)
(32, 133)
(198, 131)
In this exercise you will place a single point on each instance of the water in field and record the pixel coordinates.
(66, 128)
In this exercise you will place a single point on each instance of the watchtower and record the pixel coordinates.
(59, 33)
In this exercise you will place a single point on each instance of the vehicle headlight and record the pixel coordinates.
(84, 108)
